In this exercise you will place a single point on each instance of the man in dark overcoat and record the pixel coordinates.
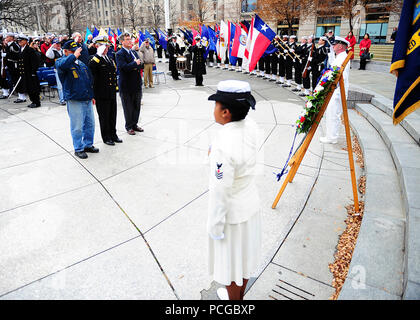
(28, 65)
(199, 64)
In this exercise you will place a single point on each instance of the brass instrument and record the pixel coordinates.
(288, 48)
(278, 43)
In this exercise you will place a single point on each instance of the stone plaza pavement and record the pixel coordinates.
(130, 221)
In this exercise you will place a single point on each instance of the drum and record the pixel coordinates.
(181, 63)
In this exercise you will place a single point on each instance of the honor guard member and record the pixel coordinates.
(4, 83)
(199, 65)
(334, 108)
(300, 52)
(282, 59)
(173, 51)
(318, 60)
(234, 213)
(104, 74)
(274, 61)
(290, 60)
(306, 62)
(28, 64)
(12, 58)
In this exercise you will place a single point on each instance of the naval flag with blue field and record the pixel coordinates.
(406, 61)
(260, 36)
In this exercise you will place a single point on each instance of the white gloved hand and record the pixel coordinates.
(3, 54)
(292, 50)
(310, 59)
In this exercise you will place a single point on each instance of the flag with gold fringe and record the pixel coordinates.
(406, 61)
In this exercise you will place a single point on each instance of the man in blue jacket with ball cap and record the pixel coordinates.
(78, 93)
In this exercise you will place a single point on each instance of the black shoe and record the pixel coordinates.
(19, 101)
(81, 154)
(3, 97)
(138, 129)
(295, 90)
(117, 140)
(34, 105)
(92, 149)
(110, 143)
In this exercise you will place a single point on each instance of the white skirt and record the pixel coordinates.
(237, 255)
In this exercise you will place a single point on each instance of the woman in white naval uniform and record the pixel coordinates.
(234, 221)
(335, 108)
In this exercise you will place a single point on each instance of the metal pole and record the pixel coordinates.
(167, 24)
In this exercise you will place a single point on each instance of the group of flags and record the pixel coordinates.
(229, 40)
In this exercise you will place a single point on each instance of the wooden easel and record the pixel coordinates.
(297, 158)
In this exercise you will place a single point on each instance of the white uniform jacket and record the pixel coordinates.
(338, 61)
(233, 194)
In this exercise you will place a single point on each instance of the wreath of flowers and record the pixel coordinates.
(315, 102)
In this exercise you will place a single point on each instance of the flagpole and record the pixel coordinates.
(167, 25)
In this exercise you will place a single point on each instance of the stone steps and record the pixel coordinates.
(401, 142)
(376, 269)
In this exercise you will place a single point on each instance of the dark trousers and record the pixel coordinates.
(198, 79)
(363, 63)
(261, 64)
(107, 112)
(131, 103)
(282, 66)
(159, 53)
(289, 69)
(34, 97)
(274, 63)
(267, 63)
(210, 56)
(307, 80)
(298, 72)
(315, 75)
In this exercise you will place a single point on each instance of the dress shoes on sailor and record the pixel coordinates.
(131, 132)
(110, 143)
(3, 97)
(34, 105)
(138, 129)
(19, 100)
(81, 154)
(286, 85)
(92, 149)
(327, 140)
(295, 90)
(303, 95)
(117, 140)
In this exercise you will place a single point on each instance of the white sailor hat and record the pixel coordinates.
(293, 37)
(323, 38)
(329, 31)
(21, 36)
(234, 93)
(10, 34)
(305, 37)
(340, 40)
(285, 36)
(311, 36)
(101, 40)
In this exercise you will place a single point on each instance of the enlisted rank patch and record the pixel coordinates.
(219, 174)
(95, 59)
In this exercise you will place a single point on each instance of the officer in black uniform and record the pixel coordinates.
(282, 59)
(12, 58)
(28, 64)
(104, 73)
(299, 51)
(318, 60)
(306, 54)
(199, 64)
(4, 83)
(173, 51)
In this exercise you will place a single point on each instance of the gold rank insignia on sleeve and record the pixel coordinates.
(96, 59)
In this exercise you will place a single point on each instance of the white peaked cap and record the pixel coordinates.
(234, 86)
